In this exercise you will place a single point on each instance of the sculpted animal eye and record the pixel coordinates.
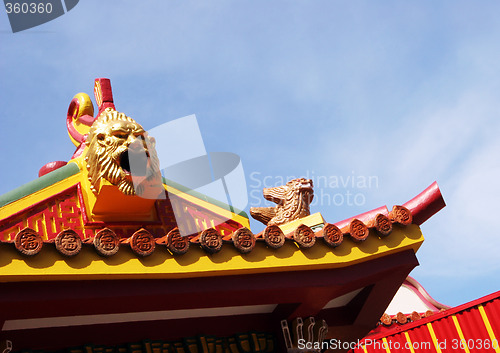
(121, 136)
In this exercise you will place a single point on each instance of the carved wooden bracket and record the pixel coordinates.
(304, 336)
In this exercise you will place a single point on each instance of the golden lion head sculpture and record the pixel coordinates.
(120, 151)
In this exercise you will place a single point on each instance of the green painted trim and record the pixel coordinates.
(39, 184)
(72, 169)
(204, 197)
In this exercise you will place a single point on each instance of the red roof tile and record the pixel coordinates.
(143, 242)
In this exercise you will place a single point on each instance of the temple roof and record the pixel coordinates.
(471, 327)
(308, 243)
(84, 245)
(411, 303)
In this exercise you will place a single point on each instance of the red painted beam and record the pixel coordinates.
(132, 332)
(426, 204)
(423, 206)
(68, 298)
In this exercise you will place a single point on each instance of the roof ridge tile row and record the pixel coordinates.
(107, 243)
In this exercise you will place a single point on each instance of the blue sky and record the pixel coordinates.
(405, 92)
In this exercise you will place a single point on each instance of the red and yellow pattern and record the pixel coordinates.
(67, 210)
(471, 328)
(48, 218)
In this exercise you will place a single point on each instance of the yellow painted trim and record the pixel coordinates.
(41, 195)
(434, 338)
(407, 335)
(310, 221)
(460, 333)
(384, 339)
(489, 328)
(211, 207)
(50, 265)
(90, 199)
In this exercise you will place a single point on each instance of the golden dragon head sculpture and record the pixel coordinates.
(292, 199)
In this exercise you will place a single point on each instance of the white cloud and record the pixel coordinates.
(465, 242)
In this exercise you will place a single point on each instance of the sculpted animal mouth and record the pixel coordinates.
(292, 202)
(121, 152)
(124, 161)
(135, 161)
(306, 185)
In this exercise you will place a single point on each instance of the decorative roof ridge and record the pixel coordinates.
(204, 197)
(402, 319)
(426, 204)
(436, 316)
(426, 296)
(143, 243)
(40, 183)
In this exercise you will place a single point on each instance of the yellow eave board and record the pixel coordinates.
(50, 265)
